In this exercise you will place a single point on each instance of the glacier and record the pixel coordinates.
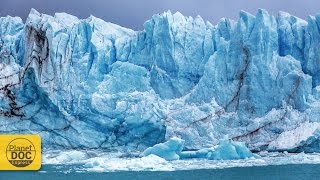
(91, 84)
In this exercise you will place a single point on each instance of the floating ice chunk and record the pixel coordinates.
(66, 157)
(242, 150)
(150, 162)
(228, 150)
(202, 153)
(169, 150)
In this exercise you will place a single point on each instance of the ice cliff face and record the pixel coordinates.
(92, 84)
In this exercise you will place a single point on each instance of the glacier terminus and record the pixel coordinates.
(91, 84)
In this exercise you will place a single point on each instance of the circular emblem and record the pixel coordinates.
(20, 152)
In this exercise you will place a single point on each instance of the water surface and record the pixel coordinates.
(74, 172)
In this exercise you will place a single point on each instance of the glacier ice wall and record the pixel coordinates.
(93, 84)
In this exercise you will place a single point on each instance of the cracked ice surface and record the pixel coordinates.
(90, 84)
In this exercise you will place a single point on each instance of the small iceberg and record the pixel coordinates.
(229, 150)
(169, 150)
(226, 150)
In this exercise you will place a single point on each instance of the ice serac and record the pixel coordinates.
(175, 50)
(247, 70)
(86, 83)
(68, 63)
(11, 53)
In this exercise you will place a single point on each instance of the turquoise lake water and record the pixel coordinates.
(48, 172)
